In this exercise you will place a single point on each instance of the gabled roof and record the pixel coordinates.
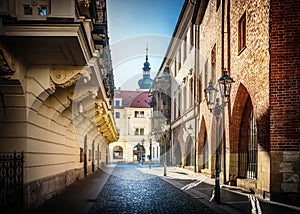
(133, 99)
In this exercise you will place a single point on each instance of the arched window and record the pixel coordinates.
(248, 143)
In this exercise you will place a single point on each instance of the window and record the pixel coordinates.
(175, 68)
(117, 114)
(81, 155)
(35, 8)
(206, 74)
(248, 145)
(139, 131)
(252, 148)
(179, 59)
(27, 9)
(185, 49)
(199, 91)
(139, 114)
(191, 36)
(42, 10)
(117, 103)
(184, 98)
(191, 92)
(213, 65)
(175, 107)
(179, 104)
(242, 33)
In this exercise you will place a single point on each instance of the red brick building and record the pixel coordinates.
(257, 42)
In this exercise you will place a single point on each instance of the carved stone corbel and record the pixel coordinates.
(64, 78)
(7, 64)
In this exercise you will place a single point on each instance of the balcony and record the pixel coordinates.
(47, 44)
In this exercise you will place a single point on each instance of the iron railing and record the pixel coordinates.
(11, 182)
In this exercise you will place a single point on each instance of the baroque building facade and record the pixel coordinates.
(56, 92)
(133, 116)
(256, 43)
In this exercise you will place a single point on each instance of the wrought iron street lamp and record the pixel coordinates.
(165, 129)
(216, 108)
(225, 83)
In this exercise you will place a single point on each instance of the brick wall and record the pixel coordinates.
(285, 100)
(285, 75)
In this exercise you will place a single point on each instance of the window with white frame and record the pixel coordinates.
(117, 103)
(191, 36)
(139, 131)
(139, 114)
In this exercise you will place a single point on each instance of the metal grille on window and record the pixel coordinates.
(252, 148)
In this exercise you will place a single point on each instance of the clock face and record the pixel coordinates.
(34, 2)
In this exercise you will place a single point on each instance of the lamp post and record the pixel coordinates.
(216, 108)
(165, 129)
(190, 131)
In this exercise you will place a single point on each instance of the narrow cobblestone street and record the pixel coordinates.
(129, 190)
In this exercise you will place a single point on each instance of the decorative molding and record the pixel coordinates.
(64, 78)
(7, 64)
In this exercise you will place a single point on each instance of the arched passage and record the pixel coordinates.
(139, 153)
(190, 154)
(118, 152)
(203, 149)
(12, 116)
(243, 146)
(177, 155)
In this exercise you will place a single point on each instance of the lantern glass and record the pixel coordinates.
(225, 83)
(210, 95)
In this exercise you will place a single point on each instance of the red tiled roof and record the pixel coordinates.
(134, 99)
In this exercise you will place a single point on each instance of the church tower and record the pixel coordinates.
(146, 81)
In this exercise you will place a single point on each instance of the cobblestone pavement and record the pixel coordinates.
(129, 190)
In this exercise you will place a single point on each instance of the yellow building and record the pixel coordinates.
(133, 116)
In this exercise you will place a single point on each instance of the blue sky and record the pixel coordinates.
(134, 23)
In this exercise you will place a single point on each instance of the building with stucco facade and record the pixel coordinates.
(56, 94)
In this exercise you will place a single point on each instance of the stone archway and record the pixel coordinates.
(243, 138)
(12, 116)
(203, 150)
(117, 153)
(139, 153)
(177, 155)
(190, 154)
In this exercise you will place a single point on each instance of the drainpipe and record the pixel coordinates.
(197, 49)
(228, 70)
(222, 69)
